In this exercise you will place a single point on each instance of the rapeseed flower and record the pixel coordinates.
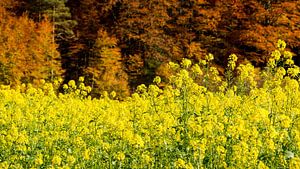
(271, 63)
(209, 57)
(183, 125)
(261, 165)
(56, 160)
(86, 154)
(180, 163)
(4, 165)
(39, 159)
(71, 160)
(186, 63)
(146, 158)
(287, 55)
(276, 55)
(289, 62)
(72, 84)
(120, 156)
(294, 71)
(295, 163)
(197, 70)
(81, 79)
(157, 80)
(281, 44)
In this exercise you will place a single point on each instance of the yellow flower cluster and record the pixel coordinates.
(189, 123)
(246, 77)
(232, 61)
(281, 59)
(77, 89)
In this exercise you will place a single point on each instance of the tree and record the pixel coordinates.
(141, 28)
(251, 28)
(92, 15)
(57, 12)
(63, 25)
(151, 33)
(105, 70)
(27, 51)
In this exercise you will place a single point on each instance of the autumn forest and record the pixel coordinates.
(118, 44)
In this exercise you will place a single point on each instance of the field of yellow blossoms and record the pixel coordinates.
(198, 119)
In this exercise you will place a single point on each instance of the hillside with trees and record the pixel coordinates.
(118, 44)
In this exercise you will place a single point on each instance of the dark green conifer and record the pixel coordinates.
(58, 13)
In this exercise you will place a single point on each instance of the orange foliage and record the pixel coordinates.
(151, 33)
(147, 34)
(27, 51)
(106, 68)
(253, 26)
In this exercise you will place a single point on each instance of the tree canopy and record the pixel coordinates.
(27, 51)
(145, 35)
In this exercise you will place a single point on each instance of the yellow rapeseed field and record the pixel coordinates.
(198, 119)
